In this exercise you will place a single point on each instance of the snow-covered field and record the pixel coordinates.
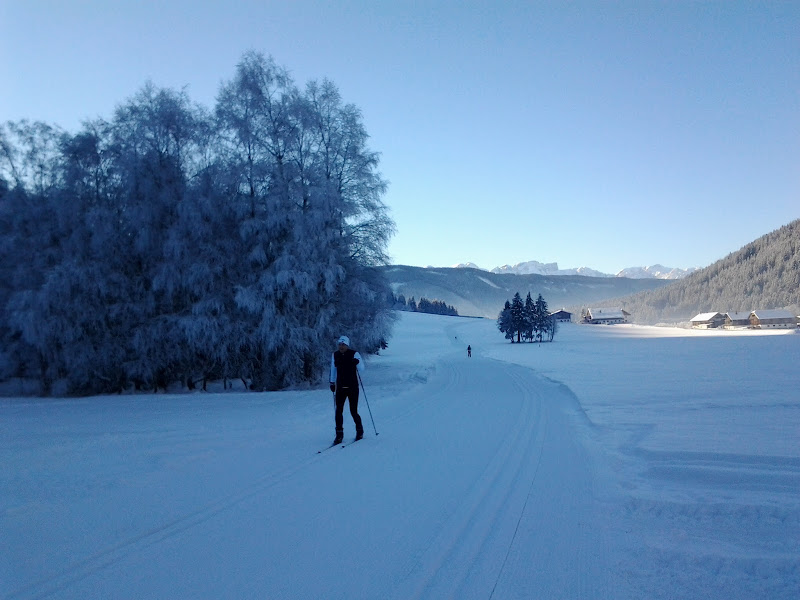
(616, 462)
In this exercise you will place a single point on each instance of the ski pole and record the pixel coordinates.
(367, 401)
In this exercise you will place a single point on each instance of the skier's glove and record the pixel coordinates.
(333, 387)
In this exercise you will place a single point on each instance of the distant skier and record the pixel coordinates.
(469, 351)
(345, 366)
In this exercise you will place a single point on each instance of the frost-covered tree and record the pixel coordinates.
(311, 217)
(551, 328)
(31, 246)
(541, 317)
(505, 323)
(529, 319)
(517, 316)
(171, 244)
(301, 205)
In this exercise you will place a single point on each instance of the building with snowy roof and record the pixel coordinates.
(562, 316)
(709, 320)
(772, 319)
(737, 320)
(605, 316)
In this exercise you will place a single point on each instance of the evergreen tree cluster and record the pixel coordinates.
(173, 243)
(434, 307)
(764, 274)
(527, 322)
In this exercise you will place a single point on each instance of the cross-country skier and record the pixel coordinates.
(469, 351)
(345, 366)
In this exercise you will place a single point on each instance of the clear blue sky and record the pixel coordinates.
(600, 134)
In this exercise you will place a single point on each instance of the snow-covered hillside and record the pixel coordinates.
(617, 462)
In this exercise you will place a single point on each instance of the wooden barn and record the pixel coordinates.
(772, 319)
(606, 316)
(562, 316)
(737, 320)
(708, 320)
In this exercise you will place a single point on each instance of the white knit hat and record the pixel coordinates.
(344, 340)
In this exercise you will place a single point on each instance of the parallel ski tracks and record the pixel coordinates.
(470, 549)
(88, 565)
(464, 557)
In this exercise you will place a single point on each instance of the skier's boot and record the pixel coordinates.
(339, 437)
(359, 435)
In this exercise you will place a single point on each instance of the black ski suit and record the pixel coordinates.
(344, 373)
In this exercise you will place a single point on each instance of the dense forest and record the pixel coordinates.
(176, 244)
(764, 274)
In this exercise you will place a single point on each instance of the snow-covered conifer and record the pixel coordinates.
(529, 318)
(517, 316)
(504, 322)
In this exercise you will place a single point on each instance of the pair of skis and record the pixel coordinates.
(340, 444)
(346, 444)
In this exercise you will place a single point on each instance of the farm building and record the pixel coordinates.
(605, 316)
(737, 320)
(562, 316)
(772, 319)
(710, 320)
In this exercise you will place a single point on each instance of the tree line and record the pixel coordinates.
(433, 307)
(176, 243)
(527, 322)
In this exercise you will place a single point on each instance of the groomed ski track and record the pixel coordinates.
(479, 485)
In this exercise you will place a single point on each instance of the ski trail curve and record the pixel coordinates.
(530, 521)
(478, 487)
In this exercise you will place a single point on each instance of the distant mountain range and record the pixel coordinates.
(534, 267)
(479, 293)
(764, 274)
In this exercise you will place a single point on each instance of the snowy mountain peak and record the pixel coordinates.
(531, 267)
(534, 267)
(655, 272)
(651, 272)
